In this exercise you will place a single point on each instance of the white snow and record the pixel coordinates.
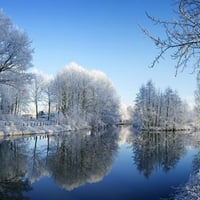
(191, 190)
(24, 127)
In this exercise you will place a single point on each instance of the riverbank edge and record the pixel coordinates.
(17, 130)
(168, 129)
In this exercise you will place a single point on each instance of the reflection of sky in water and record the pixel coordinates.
(123, 180)
(128, 180)
(85, 166)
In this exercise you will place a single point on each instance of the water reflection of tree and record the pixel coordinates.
(12, 170)
(13, 189)
(157, 150)
(79, 159)
(37, 158)
(72, 160)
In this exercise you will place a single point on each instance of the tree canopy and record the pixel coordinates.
(155, 109)
(15, 52)
(15, 59)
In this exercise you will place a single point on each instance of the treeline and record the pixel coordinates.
(157, 109)
(75, 94)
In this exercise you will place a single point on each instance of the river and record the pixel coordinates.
(107, 164)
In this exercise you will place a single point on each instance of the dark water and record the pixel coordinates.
(111, 164)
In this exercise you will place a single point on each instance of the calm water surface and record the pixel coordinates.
(111, 164)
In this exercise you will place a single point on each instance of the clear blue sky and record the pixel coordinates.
(102, 35)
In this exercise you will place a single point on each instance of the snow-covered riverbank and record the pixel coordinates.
(24, 127)
(16, 130)
(191, 190)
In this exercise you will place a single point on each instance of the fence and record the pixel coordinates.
(30, 123)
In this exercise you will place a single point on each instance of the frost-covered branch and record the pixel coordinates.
(181, 37)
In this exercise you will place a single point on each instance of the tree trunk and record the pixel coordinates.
(49, 108)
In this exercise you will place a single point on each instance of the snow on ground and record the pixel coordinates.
(191, 190)
(28, 127)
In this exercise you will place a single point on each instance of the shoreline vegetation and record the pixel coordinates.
(76, 97)
(19, 127)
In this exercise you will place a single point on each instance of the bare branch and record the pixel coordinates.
(182, 36)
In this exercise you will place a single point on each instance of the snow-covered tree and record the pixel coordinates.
(172, 109)
(13, 100)
(154, 108)
(146, 106)
(197, 102)
(15, 52)
(15, 59)
(85, 95)
(37, 89)
(105, 102)
(49, 96)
